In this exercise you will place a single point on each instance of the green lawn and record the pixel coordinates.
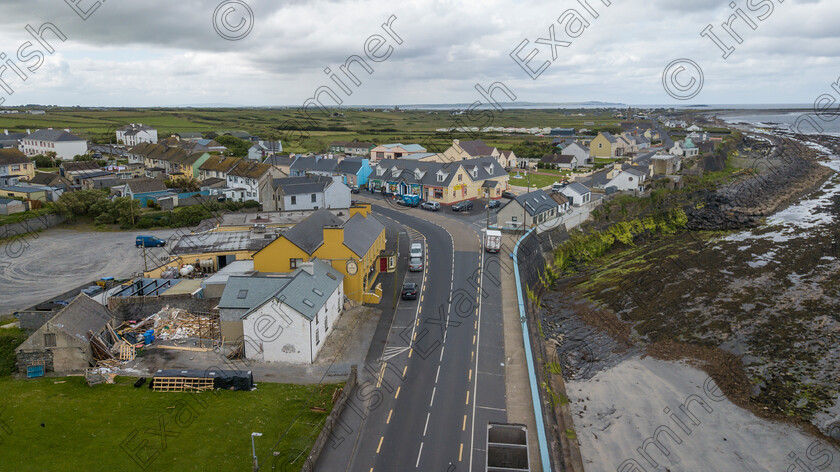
(90, 428)
(536, 180)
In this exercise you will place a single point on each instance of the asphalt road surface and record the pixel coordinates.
(425, 402)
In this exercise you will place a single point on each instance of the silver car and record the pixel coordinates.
(416, 250)
(415, 264)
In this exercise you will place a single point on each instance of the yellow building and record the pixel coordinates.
(354, 247)
(15, 163)
(603, 145)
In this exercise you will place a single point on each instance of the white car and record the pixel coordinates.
(416, 250)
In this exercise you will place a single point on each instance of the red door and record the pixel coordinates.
(383, 264)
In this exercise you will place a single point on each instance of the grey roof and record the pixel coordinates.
(23, 189)
(145, 185)
(636, 172)
(348, 166)
(309, 233)
(609, 137)
(80, 316)
(188, 135)
(557, 158)
(536, 202)
(304, 163)
(569, 146)
(360, 233)
(302, 185)
(578, 188)
(218, 241)
(308, 293)
(247, 292)
(6, 201)
(325, 165)
(405, 170)
(53, 135)
(278, 160)
(476, 148)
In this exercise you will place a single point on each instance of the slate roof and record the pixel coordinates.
(578, 188)
(304, 163)
(277, 160)
(360, 233)
(247, 292)
(406, 170)
(324, 165)
(302, 185)
(219, 164)
(306, 293)
(53, 135)
(536, 202)
(80, 316)
(609, 137)
(309, 233)
(557, 159)
(476, 148)
(189, 135)
(79, 166)
(349, 166)
(12, 156)
(145, 185)
(575, 144)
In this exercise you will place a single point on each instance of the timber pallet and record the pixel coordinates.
(181, 384)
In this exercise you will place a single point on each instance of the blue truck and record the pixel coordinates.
(149, 241)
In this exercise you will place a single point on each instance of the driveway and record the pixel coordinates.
(40, 266)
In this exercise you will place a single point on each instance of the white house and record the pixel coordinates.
(309, 192)
(577, 193)
(629, 180)
(61, 142)
(246, 178)
(694, 128)
(262, 149)
(134, 134)
(284, 318)
(579, 151)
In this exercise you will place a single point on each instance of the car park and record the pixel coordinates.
(431, 206)
(462, 206)
(415, 264)
(409, 291)
(416, 250)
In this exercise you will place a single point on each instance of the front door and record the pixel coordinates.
(383, 264)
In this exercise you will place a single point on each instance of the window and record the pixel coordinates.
(460, 177)
(316, 318)
(314, 198)
(49, 340)
(242, 294)
(294, 200)
(514, 219)
(317, 337)
(326, 323)
(294, 263)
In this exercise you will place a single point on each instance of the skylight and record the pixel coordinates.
(242, 294)
(317, 292)
(308, 303)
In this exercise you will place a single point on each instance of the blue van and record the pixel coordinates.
(149, 241)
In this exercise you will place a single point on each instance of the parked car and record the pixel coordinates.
(508, 194)
(416, 250)
(354, 189)
(462, 206)
(494, 204)
(149, 241)
(415, 264)
(431, 206)
(409, 291)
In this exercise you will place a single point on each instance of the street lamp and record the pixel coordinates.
(254, 450)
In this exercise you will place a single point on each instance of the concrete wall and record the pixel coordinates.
(329, 424)
(30, 225)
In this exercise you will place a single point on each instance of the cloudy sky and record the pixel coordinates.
(166, 53)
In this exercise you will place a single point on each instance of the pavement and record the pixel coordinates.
(39, 266)
(425, 403)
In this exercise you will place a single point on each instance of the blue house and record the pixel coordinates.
(355, 171)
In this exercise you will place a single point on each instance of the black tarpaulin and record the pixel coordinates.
(226, 379)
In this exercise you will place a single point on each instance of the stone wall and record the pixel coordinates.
(329, 425)
(13, 230)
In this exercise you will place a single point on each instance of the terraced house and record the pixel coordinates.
(247, 178)
(354, 247)
(217, 167)
(445, 183)
(173, 161)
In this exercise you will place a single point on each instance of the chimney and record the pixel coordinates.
(6, 132)
(308, 267)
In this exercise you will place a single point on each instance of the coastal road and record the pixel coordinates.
(424, 404)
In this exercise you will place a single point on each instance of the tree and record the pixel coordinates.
(235, 146)
(185, 184)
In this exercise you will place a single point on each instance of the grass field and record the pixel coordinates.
(83, 427)
(536, 180)
(376, 126)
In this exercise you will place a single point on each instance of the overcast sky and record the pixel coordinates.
(166, 53)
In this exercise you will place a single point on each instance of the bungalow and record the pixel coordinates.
(560, 161)
(248, 177)
(262, 149)
(577, 193)
(579, 151)
(630, 179)
(142, 189)
(564, 132)
(694, 128)
(29, 193)
(394, 151)
(62, 344)
(357, 148)
(353, 248)
(309, 192)
(302, 308)
(531, 209)
(61, 142)
(15, 163)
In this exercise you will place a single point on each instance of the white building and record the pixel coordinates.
(262, 149)
(577, 193)
(134, 134)
(306, 193)
(629, 180)
(284, 318)
(61, 142)
(580, 151)
(246, 178)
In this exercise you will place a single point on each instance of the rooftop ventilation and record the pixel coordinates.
(317, 292)
(308, 303)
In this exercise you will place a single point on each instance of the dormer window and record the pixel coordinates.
(474, 172)
(380, 171)
(440, 176)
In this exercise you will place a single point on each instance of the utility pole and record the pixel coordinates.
(145, 264)
(524, 209)
(487, 226)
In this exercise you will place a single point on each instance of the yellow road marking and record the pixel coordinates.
(470, 377)
(417, 323)
(464, 428)
(397, 395)
(409, 352)
(415, 336)
(404, 369)
(381, 438)
(476, 324)
(468, 397)
(461, 452)
(388, 421)
(473, 339)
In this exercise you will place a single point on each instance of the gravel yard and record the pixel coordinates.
(43, 265)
